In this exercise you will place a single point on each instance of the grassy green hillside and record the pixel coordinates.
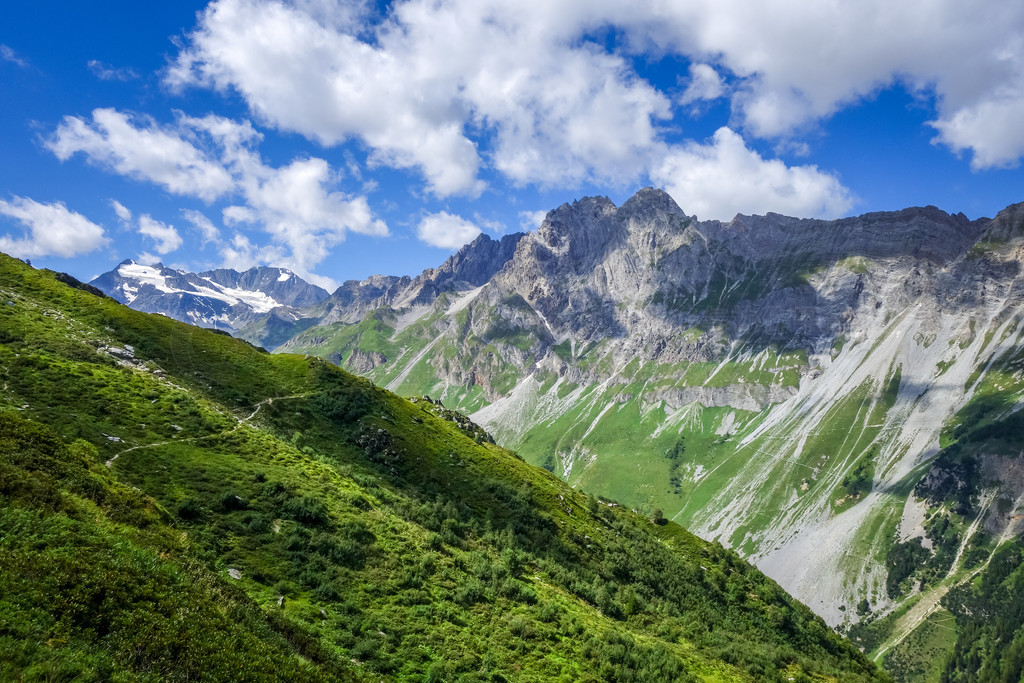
(177, 504)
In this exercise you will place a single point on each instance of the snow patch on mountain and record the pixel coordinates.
(257, 301)
(226, 299)
(141, 275)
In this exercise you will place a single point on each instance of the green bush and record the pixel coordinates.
(307, 510)
(189, 509)
(230, 501)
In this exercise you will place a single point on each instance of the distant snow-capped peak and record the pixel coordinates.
(218, 298)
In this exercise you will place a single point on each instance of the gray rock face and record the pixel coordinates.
(632, 279)
(645, 270)
(364, 361)
(472, 266)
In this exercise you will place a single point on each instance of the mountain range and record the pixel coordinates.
(176, 504)
(222, 299)
(836, 400)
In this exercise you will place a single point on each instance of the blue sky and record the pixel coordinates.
(342, 139)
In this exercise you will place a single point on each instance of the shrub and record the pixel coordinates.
(549, 612)
(188, 509)
(285, 588)
(469, 593)
(326, 592)
(258, 524)
(230, 500)
(307, 510)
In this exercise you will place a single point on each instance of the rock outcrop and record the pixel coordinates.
(472, 266)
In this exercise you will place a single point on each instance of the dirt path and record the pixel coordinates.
(264, 402)
(109, 463)
(239, 423)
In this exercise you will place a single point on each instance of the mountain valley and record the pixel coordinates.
(836, 400)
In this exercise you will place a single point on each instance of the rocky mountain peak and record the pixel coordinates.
(576, 234)
(1008, 223)
(650, 203)
(222, 298)
(471, 266)
(478, 261)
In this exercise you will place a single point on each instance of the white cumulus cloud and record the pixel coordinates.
(233, 215)
(51, 230)
(419, 86)
(204, 225)
(165, 237)
(798, 62)
(302, 75)
(124, 214)
(446, 230)
(725, 177)
(241, 254)
(297, 205)
(451, 88)
(991, 129)
(141, 149)
(704, 84)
